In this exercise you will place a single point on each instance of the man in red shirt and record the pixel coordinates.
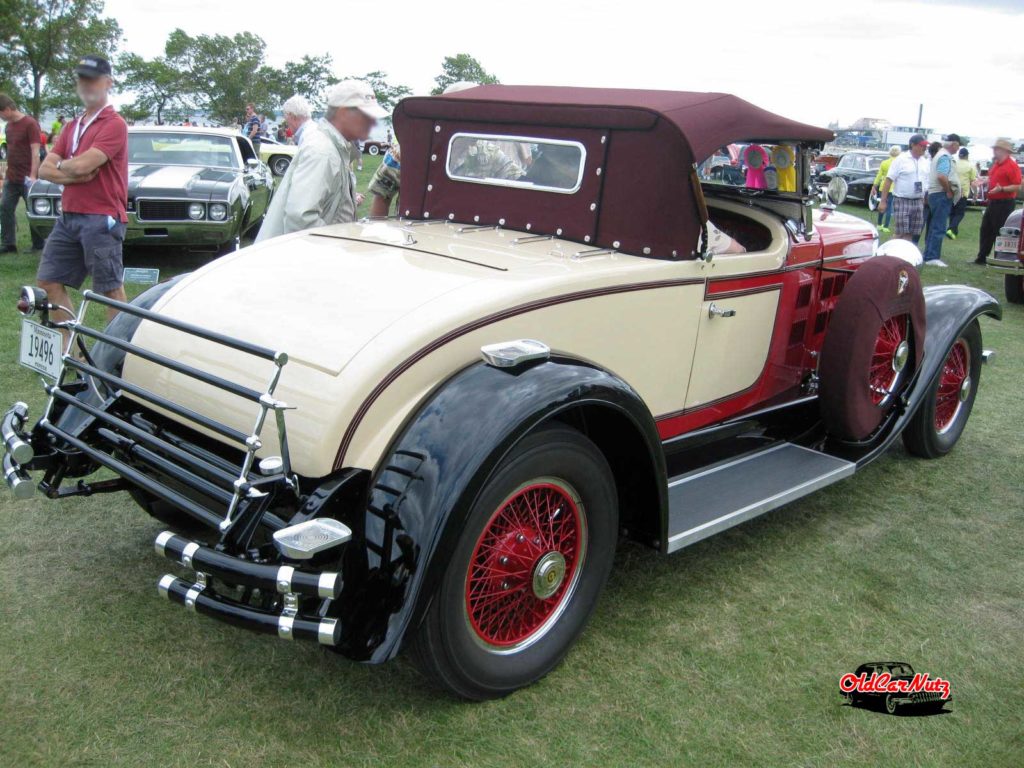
(90, 159)
(1003, 185)
(22, 170)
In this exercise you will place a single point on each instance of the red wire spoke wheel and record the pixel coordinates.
(939, 421)
(525, 564)
(954, 386)
(892, 350)
(528, 561)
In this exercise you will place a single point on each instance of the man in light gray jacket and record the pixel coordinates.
(318, 189)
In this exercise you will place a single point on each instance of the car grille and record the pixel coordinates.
(922, 697)
(163, 210)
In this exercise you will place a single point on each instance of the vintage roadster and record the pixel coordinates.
(201, 188)
(429, 432)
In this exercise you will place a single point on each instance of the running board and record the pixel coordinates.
(711, 499)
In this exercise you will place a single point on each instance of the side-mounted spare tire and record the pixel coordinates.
(873, 344)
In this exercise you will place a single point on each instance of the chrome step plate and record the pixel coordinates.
(711, 499)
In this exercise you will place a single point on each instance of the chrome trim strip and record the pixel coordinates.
(161, 542)
(325, 633)
(164, 585)
(284, 579)
(191, 595)
(328, 585)
(186, 554)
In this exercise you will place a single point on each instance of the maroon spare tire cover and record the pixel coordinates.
(882, 288)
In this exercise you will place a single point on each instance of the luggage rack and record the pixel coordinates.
(234, 486)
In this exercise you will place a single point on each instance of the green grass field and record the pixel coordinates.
(727, 654)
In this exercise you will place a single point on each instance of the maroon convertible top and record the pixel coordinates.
(636, 195)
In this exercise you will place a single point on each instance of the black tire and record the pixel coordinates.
(279, 164)
(872, 345)
(450, 646)
(890, 704)
(933, 430)
(1014, 285)
(373, 149)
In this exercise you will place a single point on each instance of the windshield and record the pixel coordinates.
(181, 149)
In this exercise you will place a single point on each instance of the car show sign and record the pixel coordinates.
(141, 275)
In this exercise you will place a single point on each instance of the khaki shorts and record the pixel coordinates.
(385, 181)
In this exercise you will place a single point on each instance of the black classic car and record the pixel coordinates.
(858, 169)
(1008, 257)
(187, 186)
(889, 677)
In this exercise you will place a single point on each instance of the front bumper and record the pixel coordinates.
(196, 234)
(1006, 263)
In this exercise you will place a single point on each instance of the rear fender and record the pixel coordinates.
(424, 487)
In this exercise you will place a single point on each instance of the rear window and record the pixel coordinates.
(546, 165)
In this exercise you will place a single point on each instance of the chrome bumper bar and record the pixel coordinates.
(291, 584)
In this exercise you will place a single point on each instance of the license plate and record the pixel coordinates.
(1006, 244)
(40, 348)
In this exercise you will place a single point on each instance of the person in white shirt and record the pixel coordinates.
(318, 189)
(297, 114)
(908, 180)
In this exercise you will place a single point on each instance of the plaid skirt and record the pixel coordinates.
(907, 215)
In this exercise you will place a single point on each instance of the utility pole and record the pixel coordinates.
(920, 115)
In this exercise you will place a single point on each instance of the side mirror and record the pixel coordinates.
(252, 164)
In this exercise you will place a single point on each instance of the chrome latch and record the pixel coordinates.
(715, 311)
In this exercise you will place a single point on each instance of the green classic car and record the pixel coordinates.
(197, 187)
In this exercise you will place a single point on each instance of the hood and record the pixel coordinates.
(318, 298)
(198, 182)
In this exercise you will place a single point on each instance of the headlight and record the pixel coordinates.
(41, 206)
(218, 211)
(196, 211)
(56, 206)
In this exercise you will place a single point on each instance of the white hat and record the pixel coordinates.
(358, 94)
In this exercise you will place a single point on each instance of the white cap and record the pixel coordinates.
(358, 94)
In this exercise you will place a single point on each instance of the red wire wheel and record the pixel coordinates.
(526, 564)
(892, 350)
(954, 386)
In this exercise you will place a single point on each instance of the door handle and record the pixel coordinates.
(715, 311)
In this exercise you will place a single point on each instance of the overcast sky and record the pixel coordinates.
(815, 61)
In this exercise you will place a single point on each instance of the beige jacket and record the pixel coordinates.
(317, 190)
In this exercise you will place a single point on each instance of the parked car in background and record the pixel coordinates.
(276, 155)
(428, 433)
(202, 188)
(858, 168)
(375, 147)
(1008, 257)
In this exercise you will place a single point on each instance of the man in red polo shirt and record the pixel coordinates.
(90, 159)
(1003, 185)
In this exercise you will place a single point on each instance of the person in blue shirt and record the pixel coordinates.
(251, 127)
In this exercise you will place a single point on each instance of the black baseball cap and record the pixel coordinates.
(952, 137)
(93, 65)
(963, 152)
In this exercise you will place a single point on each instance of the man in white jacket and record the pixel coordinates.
(318, 190)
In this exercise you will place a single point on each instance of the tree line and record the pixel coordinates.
(216, 75)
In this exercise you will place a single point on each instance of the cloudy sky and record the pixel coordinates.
(813, 60)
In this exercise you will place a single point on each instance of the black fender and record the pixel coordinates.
(433, 471)
(949, 309)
